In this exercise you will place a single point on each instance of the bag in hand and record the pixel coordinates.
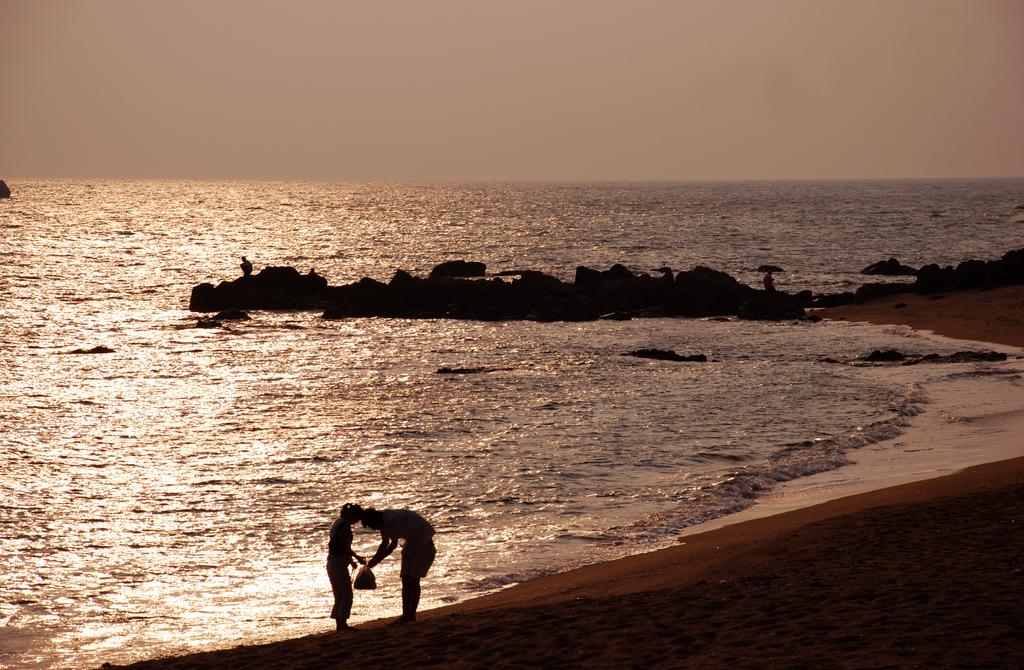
(365, 581)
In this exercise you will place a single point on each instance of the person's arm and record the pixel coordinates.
(353, 557)
(387, 545)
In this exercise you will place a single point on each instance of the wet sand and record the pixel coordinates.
(993, 315)
(926, 574)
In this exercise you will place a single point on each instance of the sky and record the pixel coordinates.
(511, 90)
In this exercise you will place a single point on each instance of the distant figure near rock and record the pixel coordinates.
(246, 266)
(5, 191)
(769, 282)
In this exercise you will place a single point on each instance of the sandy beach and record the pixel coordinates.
(925, 574)
(992, 315)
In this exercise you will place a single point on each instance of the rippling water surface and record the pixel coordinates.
(176, 492)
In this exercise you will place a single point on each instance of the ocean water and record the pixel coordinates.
(175, 494)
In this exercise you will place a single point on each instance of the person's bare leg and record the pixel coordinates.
(410, 598)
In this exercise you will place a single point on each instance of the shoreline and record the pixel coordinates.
(862, 569)
(956, 315)
(601, 600)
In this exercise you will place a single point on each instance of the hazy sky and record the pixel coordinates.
(520, 89)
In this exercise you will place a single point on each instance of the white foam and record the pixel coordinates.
(972, 418)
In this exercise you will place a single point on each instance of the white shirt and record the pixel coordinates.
(405, 524)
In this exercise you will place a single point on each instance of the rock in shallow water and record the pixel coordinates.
(95, 350)
(667, 355)
(534, 296)
(893, 356)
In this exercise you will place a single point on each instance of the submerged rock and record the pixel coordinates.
(95, 350)
(666, 355)
(231, 315)
(887, 356)
(5, 190)
(468, 370)
(893, 356)
(959, 357)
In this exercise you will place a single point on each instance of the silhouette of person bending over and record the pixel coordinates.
(246, 267)
(418, 549)
(769, 282)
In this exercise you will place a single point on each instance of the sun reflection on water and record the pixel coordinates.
(176, 493)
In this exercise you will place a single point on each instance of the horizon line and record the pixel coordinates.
(509, 180)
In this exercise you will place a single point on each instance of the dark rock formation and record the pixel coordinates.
(834, 299)
(467, 371)
(893, 356)
(458, 268)
(5, 191)
(890, 267)
(586, 276)
(887, 356)
(959, 357)
(534, 296)
(512, 273)
(271, 288)
(931, 278)
(666, 355)
(804, 298)
(615, 293)
(706, 292)
(769, 268)
(771, 306)
(869, 291)
(972, 274)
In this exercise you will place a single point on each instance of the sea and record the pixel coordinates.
(175, 493)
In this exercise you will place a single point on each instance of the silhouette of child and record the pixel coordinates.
(340, 556)
(769, 282)
(246, 266)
